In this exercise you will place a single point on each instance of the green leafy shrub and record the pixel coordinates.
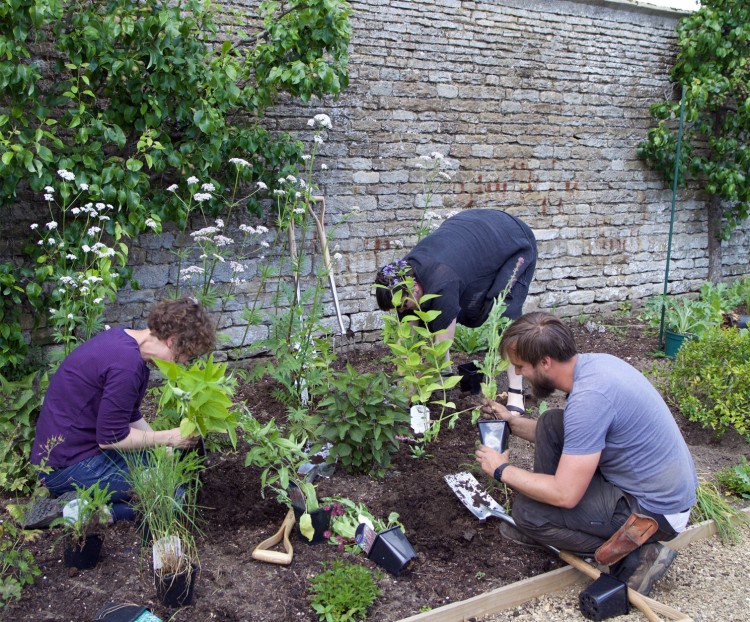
(13, 347)
(279, 457)
(20, 402)
(470, 340)
(17, 565)
(361, 417)
(198, 398)
(710, 381)
(159, 87)
(343, 592)
(736, 479)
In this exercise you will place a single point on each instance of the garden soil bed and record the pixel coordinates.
(458, 557)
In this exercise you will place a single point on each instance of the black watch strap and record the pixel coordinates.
(498, 474)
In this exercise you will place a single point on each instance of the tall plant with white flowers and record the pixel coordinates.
(80, 253)
(301, 357)
(208, 251)
(434, 178)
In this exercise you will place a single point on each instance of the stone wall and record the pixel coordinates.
(538, 108)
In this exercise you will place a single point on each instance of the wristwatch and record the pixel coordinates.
(498, 474)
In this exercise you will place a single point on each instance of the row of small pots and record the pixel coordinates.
(174, 590)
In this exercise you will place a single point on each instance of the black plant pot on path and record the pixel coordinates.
(83, 555)
(176, 590)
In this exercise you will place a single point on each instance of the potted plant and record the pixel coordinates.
(280, 458)
(165, 486)
(198, 398)
(80, 515)
(683, 319)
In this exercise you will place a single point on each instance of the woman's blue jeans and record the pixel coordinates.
(105, 468)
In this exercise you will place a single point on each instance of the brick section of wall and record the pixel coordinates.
(538, 108)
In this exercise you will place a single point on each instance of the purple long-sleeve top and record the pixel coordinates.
(92, 399)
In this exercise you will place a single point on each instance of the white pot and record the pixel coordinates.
(420, 418)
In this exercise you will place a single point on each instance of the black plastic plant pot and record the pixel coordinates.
(321, 522)
(606, 597)
(392, 550)
(738, 321)
(176, 590)
(86, 556)
(471, 378)
(494, 433)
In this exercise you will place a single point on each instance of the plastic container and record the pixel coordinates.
(176, 590)
(673, 341)
(392, 550)
(494, 433)
(321, 522)
(606, 597)
(86, 556)
(471, 378)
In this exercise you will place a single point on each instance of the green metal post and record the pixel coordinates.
(671, 218)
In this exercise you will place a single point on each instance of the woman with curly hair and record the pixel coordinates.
(91, 411)
(466, 263)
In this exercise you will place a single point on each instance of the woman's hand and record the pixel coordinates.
(176, 440)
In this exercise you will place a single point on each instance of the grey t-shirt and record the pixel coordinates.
(613, 408)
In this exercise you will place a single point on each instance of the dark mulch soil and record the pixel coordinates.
(458, 556)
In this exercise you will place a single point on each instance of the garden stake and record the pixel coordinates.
(327, 258)
(482, 505)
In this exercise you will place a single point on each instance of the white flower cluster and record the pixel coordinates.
(321, 120)
(260, 229)
(66, 175)
(187, 273)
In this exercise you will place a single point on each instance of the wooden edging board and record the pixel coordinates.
(520, 592)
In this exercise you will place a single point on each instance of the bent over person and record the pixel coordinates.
(467, 262)
(91, 411)
(612, 460)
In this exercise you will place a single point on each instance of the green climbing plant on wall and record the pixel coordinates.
(713, 62)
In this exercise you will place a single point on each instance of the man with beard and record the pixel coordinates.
(613, 457)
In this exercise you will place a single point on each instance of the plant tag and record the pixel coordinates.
(164, 549)
(420, 418)
(71, 510)
(365, 537)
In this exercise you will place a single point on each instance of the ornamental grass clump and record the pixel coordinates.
(713, 506)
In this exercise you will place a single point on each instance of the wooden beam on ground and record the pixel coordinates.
(515, 594)
(502, 598)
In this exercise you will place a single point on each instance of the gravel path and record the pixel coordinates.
(708, 581)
